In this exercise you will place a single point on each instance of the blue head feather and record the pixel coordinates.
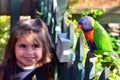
(86, 23)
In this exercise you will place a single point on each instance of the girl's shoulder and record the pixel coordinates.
(32, 74)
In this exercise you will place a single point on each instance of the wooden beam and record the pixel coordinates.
(27, 7)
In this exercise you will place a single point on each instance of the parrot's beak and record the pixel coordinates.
(79, 27)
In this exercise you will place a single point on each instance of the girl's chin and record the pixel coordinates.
(29, 67)
(26, 65)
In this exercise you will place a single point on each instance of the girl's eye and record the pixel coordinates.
(22, 46)
(36, 46)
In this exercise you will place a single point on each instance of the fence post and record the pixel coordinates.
(78, 69)
(104, 75)
(90, 66)
(65, 55)
(15, 12)
(71, 34)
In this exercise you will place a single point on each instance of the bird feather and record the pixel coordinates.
(101, 38)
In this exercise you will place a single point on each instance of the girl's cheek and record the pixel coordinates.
(38, 52)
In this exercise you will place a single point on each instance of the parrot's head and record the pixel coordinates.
(86, 23)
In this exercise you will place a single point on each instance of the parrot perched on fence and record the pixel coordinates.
(96, 36)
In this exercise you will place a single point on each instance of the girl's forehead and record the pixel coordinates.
(29, 39)
(24, 40)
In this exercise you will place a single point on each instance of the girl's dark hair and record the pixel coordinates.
(33, 30)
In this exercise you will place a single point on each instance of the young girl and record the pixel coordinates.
(28, 52)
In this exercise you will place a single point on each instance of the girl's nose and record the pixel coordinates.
(30, 50)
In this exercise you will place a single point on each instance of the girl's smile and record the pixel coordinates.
(27, 54)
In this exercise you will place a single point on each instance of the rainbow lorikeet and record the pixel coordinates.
(96, 36)
(99, 43)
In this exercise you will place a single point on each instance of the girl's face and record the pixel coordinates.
(27, 54)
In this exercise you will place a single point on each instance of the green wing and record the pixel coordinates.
(101, 38)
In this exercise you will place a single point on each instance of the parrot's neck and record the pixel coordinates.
(89, 36)
(90, 39)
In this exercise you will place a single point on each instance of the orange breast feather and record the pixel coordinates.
(90, 36)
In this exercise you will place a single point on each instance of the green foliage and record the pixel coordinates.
(75, 0)
(39, 13)
(95, 13)
(116, 44)
(4, 33)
